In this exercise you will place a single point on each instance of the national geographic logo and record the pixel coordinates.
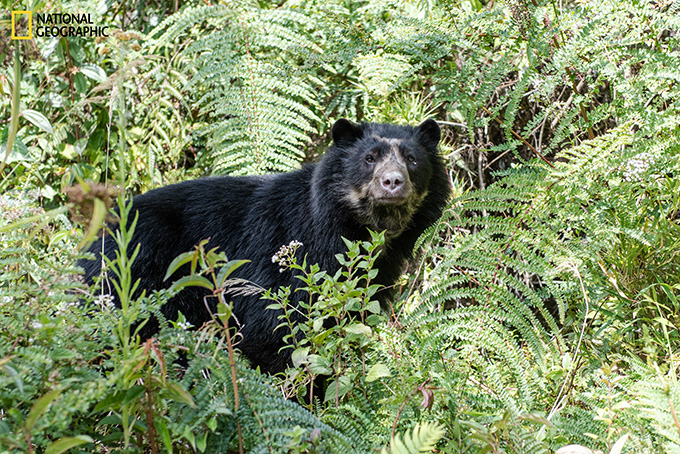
(18, 31)
(56, 25)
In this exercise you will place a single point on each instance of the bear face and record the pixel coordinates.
(375, 176)
(387, 171)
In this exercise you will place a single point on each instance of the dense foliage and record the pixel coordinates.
(541, 312)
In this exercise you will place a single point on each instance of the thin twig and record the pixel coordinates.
(232, 365)
(259, 421)
(512, 131)
(572, 369)
(675, 415)
(403, 404)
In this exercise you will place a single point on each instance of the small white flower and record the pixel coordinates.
(284, 256)
(184, 325)
(636, 166)
(104, 301)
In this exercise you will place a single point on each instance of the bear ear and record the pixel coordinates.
(429, 133)
(345, 132)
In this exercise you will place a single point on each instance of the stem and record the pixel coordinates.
(574, 363)
(151, 430)
(337, 377)
(403, 404)
(673, 413)
(584, 113)
(232, 365)
(311, 390)
(363, 372)
(16, 96)
(512, 131)
(121, 124)
(259, 421)
(72, 89)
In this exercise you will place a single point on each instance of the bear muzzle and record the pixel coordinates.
(391, 187)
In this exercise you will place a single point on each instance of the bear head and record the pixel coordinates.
(386, 170)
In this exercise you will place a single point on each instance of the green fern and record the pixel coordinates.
(424, 438)
(503, 295)
(259, 107)
(380, 71)
(658, 397)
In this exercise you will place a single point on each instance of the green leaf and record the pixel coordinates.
(177, 262)
(202, 442)
(338, 388)
(12, 372)
(19, 152)
(359, 328)
(109, 402)
(48, 192)
(321, 337)
(66, 443)
(476, 5)
(536, 419)
(80, 83)
(93, 72)
(618, 446)
(132, 394)
(318, 324)
(377, 371)
(7, 442)
(319, 365)
(224, 312)
(38, 120)
(300, 355)
(189, 435)
(424, 438)
(69, 152)
(374, 319)
(373, 307)
(39, 408)
(164, 433)
(191, 281)
(179, 394)
(60, 353)
(227, 269)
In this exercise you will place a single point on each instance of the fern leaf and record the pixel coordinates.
(424, 438)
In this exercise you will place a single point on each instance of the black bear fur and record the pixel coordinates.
(377, 176)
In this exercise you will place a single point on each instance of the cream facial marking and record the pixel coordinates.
(394, 149)
(353, 196)
(393, 143)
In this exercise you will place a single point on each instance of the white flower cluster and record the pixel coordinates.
(104, 301)
(636, 166)
(284, 256)
(184, 325)
(64, 307)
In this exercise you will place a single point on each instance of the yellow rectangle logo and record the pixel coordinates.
(16, 16)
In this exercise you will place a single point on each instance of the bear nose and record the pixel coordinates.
(393, 181)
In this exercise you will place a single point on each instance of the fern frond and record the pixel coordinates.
(424, 438)
(260, 105)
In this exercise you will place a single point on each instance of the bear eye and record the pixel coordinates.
(370, 159)
(411, 159)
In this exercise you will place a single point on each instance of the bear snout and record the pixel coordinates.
(391, 187)
(391, 184)
(392, 181)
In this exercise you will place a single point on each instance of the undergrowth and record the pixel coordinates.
(541, 311)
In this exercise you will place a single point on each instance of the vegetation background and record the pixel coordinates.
(541, 312)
